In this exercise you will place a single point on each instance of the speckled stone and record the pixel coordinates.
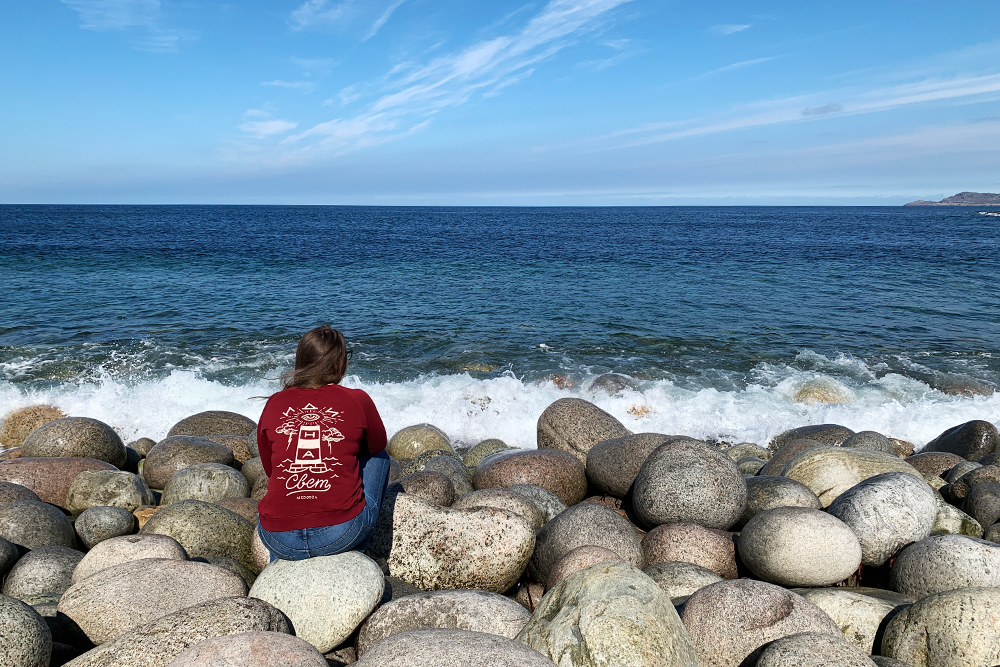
(156, 643)
(972, 440)
(237, 444)
(552, 469)
(782, 456)
(548, 503)
(252, 469)
(680, 580)
(983, 503)
(934, 463)
(259, 489)
(261, 556)
(142, 445)
(104, 522)
(122, 597)
(125, 549)
(435, 488)
(612, 465)
(93, 488)
(177, 452)
(251, 649)
(42, 571)
(950, 520)
(476, 611)
(574, 425)
(750, 465)
(25, 639)
(767, 492)
(688, 542)
(858, 616)
(396, 588)
(872, 441)
(736, 452)
(214, 422)
(418, 462)
(49, 477)
(8, 556)
(503, 499)
(205, 529)
(245, 507)
(484, 448)
(325, 597)
(205, 481)
(956, 473)
(8, 454)
(959, 488)
(9, 492)
(609, 614)
(435, 648)
(481, 548)
(813, 649)
(796, 546)
(956, 628)
(886, 513)
(992, 534)
(409, 442)
(902, 448)
(613, 384)
(825, 434)
(17, 424)
(76, 436)
(580, 525)
(449, 466)
(32, 524)
(830, 471)
(730, 620)
(578, 559)
(945, 562)
(684, 481)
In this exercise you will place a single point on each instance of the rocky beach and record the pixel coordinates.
(601, 547)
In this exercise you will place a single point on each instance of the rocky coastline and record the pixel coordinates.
(600, 548)
(962, 199)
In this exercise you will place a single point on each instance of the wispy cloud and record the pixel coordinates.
(304, 86)
(142, 16)
(381, 20)
(729, 28)
(314, 12)
(267, 128)
(739, 65)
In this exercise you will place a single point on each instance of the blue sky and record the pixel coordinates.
(446, 102)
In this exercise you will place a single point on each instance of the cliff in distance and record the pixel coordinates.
(962, 199)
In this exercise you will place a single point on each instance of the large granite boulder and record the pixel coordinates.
(574, 425)
(92, 488)
(104, 522)
(814, 649)
(477, 611)
(934, 463)
(983, 503)
(503, 499)
(9, 492)
(156, 643)
(729, 621)
(548, 503)
(76, 436)
(123, 597)
(612, 465)
(887, 512)
(214, 422)
(25, 638)
(120, 550)
(872, 441)
(782, 456)
(326, 597)
(581, 525)
(859, 616)
(205, 481)
(177, 452)
(410, 442)
(449, 466)
(686, 481)
(437, 489)
(552, 469)
(825, 434)
(50, 478)
(769, 491)
(829, 471)
(609, 615)
(578, 559)
(679, 580)
(688, 542)
(435, 648)
(205, 529)
(251, 649)
(945, 562)
(239, 444)
(482, 449)
(32, 524)
(972, 440)
(252, 469)
(956, 628)
(42, 571)
(16, 425)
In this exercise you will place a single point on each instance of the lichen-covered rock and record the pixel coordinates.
(829, 471)
(578, 559)
(945, 562)
(435, 648)
(326, 597)
(119, 550)
(205, 529)
(858, 616)
(548, 503)
(409, 442)
(612, 465)
(76, 436)
(766, 492)
(32, 524)
(552, 469)
(609, 615)
(49, 477)
(214, 422)
(503, 499)
(972, 440)
(691, 543)
(679, 579)
(574, 425)
(25, 639)
(826, 434)
(93, 488)
(956, 628)
(476, 611)
(205, 481)
(814, 649)
(42, 571)
(950, 520)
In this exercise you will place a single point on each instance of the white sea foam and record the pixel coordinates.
(507, 407)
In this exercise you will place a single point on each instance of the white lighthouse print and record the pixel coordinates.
(311, 434)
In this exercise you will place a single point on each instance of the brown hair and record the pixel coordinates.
(320, 359)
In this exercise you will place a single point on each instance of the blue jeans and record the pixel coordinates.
(327, 540)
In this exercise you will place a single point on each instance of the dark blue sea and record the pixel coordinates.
(736, 322)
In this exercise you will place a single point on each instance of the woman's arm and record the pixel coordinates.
(375, 439)
(264, 444)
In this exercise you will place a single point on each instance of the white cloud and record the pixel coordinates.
(267, 128)
(313, 12)
(304, 86)
(144, 16)
(381, 20)
(739, 65)
(729, 28)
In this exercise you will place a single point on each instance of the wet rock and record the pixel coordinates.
(214, 422)
(503, 499)
(960, 488)
(578, 559)
(205, 481)
(123, 597)
(75, 436)
(683, 481)
(990, 459)
(581, 525)
(750, 465)
(830, 471)
(252, 469)
(612, 465)
(142, 445)
(16, 425)
(205, 529)
(972, 440)
(103, 522)
(871, 441)
(767, 492)
(679, 579)
(484, 448)
(825, 434)
(782, 456)
(934, 463)
(858, 616)
(945, 562)
(609, 614)
(574, 425)
(156, 643)
(476, 611)
(177, 452)
(32, 524)
(120, 550)
(481, 548)
(42, 571)
(237, 444)
(25, 639)
(326, 597)
(729, 621)
(251, 649)
(950, 520)
(795, 546)
(983, 503)
(435, 488)
(548, 503)
(552, 469)
(245, 507)
(956, 473)
(688, 542)
(9, 492)
(411, 441)
(887, 512)
(434, 648)
(93, 488)
(50, 478)
(613, 384)
(813, 649)
(949, 629)
(901, 448)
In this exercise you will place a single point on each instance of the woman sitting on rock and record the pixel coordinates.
(322, 447)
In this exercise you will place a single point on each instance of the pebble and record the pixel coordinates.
(574, 425)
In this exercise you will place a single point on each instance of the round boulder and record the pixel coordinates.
(251, 649)
(104, 522)
(205, 481)
(983, 503)
(16, 425)
(552, 469)
(578, 559)
(814, 649)
(768, 491)
(9, 492)
(961, 486)
(829, 471)
(859, 616)
(76, 436)
(142, 445)
(612, 465)
(934, 463)
(32, 524)
(796, 546)
(972, 440)
(482, 449)
(411, 441)
(125, 549)
(435, 488)
(214, 422)
(574, 425)
(8, 556)
(238, 444)
(548, 503)
(825, 434)
(680, 580)
(245, 507)
(93, 488)
(873, 441)
(613, 384)
(737, 452)
(205, 529)
(503, 499)
(42, 571)
(688, 542)
(782, 456)
(433, 648)
(177, 452)
(945, 562)
(25, 638)
(252, 469)
(49, 477)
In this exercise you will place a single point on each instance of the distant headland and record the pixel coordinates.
(962, 199)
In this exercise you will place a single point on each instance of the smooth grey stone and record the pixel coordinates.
(547, 502)
(613, 384)
(859, 616)
(177, 452)
(983, 503)
(396, 588)
(574, 425)
(8, 556)
(76, 436)
(94, 488)
(434, 487)
(503, 499)
(959, 470)
(453, 469)
(256, 649)
(960, 488)
(142, 445)
(945, 562)
(580, 525)
(119, 550)
(870, 440)
(972, 440)
(31, 524)
(612, 465)
(104, 522)
(208, 482)
(435, 648)
(25, 638)
(750, 465)
(825, 434)
(214, 422)
(829, 471)
(765, 492)
(679, 579)
(411, 441)
(736, 452)
(246, 575)
(205, 529)
(482, 449)
(252, 469)
(9, 492)
(813, 649)
(782, 456)
(992, 534)
(42, 571)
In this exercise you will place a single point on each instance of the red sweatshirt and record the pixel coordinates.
(309, 441)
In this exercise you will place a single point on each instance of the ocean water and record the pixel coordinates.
(736, 322)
